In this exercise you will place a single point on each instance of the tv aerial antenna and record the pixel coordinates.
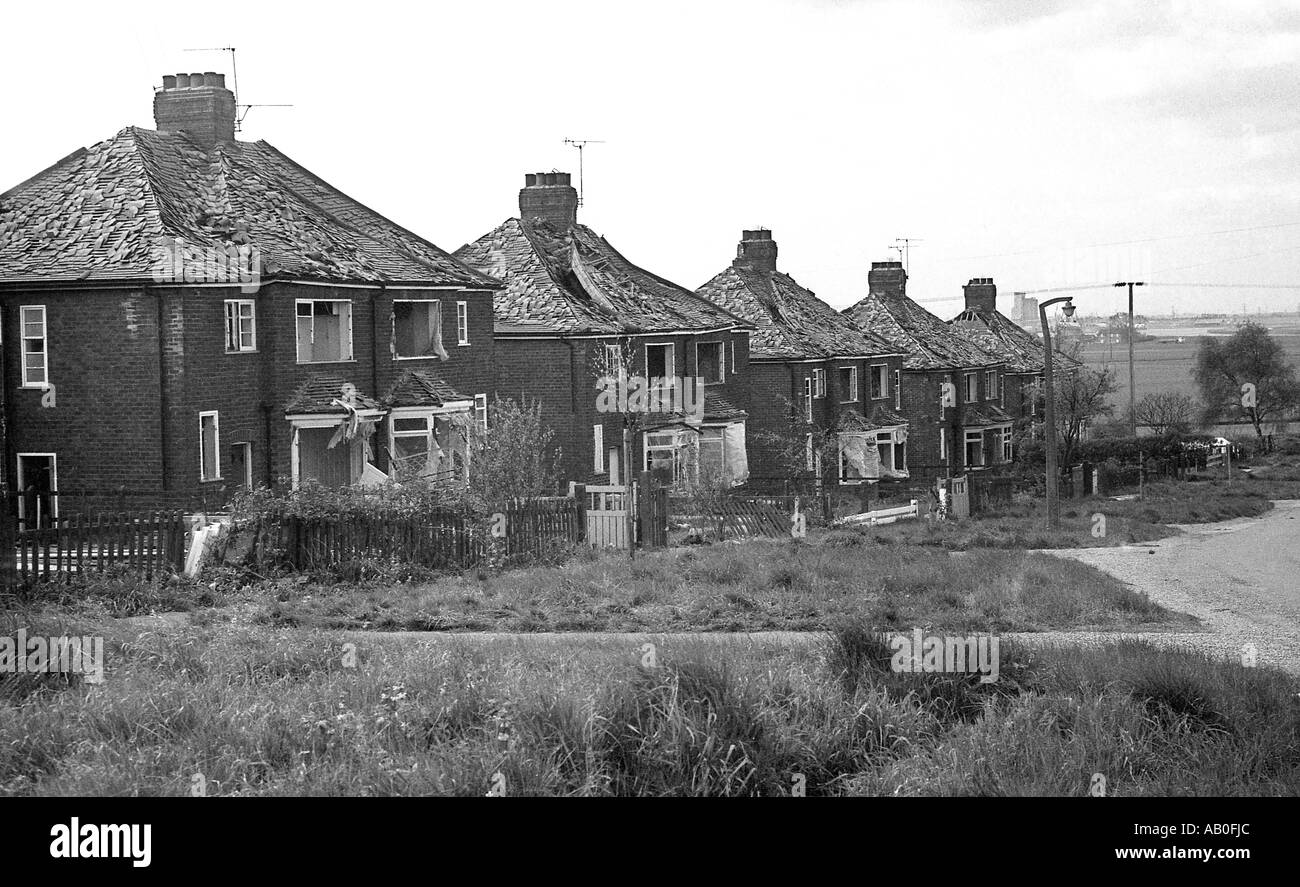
(234, 76)
(580, 144)
(904, 246)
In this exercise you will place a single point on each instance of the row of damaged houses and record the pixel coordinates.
(182, 312)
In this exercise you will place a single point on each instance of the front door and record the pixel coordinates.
(337, 467)
(37, 506)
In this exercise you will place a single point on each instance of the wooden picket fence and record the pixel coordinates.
(151, 544)
(436, 538)
(733, 517)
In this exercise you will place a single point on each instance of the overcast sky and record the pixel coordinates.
(1010, 138)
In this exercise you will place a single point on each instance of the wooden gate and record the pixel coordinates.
(959, 495)
(607, 513)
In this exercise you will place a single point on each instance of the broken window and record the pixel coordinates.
(209, 446)
(709, 362)
(974, 448)
(241, 330)
(324, 330)
(480, 411)
(36, 368)
(879, 381)
(417, 329)
(848, 384)
(972, 387)
(659, 363)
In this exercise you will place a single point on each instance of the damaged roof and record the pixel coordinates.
(983, 415)
(1020, 349)
(103, 212)
(573, 281)
(790, 321)
(930, 344)
(421, 388)
(319, 393)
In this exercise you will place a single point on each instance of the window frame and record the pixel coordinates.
(481, 411)
(722, 362)
(808, 392)
(819, 382)
(1008, 449)
(969, 437)
(971, 384)
(351, 352)
(898, 389)
(852, 386)
(43, 338)
(436, 307)
(238, 320)
(462, 323)
(990, 384)
(598, 443)
(880, 371)
(216, 446)
(670, 363)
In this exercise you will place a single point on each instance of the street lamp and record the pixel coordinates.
(1049, 412)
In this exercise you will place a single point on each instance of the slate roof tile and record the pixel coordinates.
(930, 344)
(993, 331)
(317, 395)
(104, 212)
(575, 281)
(421, 388)
(790, 321)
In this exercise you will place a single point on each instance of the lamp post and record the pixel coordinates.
(1049, 412)
(1132, 386)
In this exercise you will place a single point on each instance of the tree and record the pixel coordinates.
(1166, 411)
(514, 457)
(1082, 397)
(1245, 376)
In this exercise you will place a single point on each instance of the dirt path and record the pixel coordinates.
(1241, 578)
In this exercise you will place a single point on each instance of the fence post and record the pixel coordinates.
(579, 494)
(8, 541)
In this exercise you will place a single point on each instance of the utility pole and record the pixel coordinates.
(1053, 474)
(1132, 390)
(580, 144)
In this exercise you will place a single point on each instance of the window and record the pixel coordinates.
(848, 384)
(417, 329)
(669, 456)
(659, 364)
(36, 367)
(733, 355)
(991, 385)
(943, 444)
(480, 411)
(807, 398)
(241, 325)
(1002, 391)
(808, 452)
(972, 387)
(209, 446)
(709, 363)
(1006, 444)
(819, 383)
(614, 361)
(872, 455)
(898, 389)
(598, 448)
(879, 381)
(462, 323)
(892, 448)
(974, 448)
(324, 330)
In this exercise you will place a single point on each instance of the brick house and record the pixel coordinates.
(185, 313)
(811, 367)
(574, 311)
(951, 387)
(1021, 350)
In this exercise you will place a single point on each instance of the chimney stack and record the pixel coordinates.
(887, 279)
(198, 105)
(549, 197)
(981, 295)
(757, 251)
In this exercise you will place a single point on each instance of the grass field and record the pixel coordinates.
(241, 710)
(1162, 365)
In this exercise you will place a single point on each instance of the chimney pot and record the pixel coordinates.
(169, 81)
(530, 180)
(981, 295)
(182, 81)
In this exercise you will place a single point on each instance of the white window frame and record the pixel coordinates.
(235, 324)
(462, 323)
(943, 444)
(853, 384)
(670, 363)
(722, 363)
(732, 348)
(970, 387)
(808, 398)
(819, 383)
(598, 448)
(1008, 449)
(481, 411)
(43, 338)
(810, 459)
(967, 437)
(990, 384)
(351, 354)
(437, 307)
(216, 445)
(898, 389)
(881, 371)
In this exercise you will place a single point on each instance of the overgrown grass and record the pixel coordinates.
(263, 712)
(750, 586)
